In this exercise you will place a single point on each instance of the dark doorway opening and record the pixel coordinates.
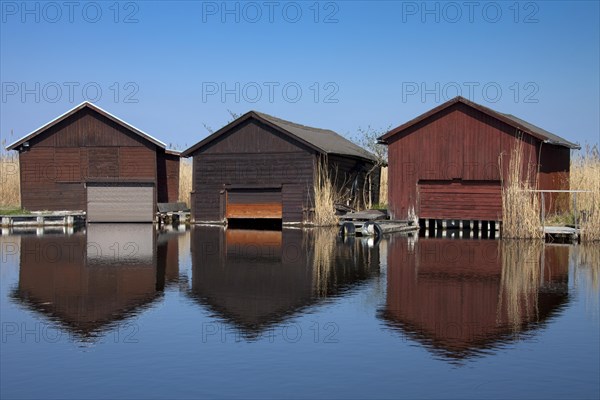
(263, 224)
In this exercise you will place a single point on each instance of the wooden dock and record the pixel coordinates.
(373, 223)
(562, 233)
(41, 220)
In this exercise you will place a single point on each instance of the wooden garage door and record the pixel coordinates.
(120, 202)
(254, 203)
(467, 200)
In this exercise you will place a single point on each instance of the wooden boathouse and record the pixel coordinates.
(445, 163)
(262, 167)
(88, 159)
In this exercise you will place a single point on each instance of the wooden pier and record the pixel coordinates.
(67, 218)
(42, 223)
(172, 213)
(373, 223)
(561, 233)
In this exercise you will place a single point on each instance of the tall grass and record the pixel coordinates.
(324, 195)
(10, 186)
(585, 175)
(185, 181)
(520, 205)
(383, 186)
(520, 280)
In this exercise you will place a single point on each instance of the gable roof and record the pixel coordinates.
(324, 141)
(533, 130)
(95, 108)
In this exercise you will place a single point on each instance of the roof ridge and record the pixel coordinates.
(292, 122)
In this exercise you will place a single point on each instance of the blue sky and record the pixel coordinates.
(172, 68)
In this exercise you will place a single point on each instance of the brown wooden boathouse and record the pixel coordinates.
(445, 164)
(88, 159)
(262, 167)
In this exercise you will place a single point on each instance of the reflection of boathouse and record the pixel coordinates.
(254, 279)
(89, 280)
(460, 297)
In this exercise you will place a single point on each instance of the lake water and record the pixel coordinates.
(124, 311)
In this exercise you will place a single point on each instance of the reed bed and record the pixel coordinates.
(185, 181)
(10, 186)
(520, 204)
(585, 175)
(324, 196)
(520, 280)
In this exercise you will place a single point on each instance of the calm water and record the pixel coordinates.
(127, 312)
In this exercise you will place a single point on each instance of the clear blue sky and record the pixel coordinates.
(374, 63)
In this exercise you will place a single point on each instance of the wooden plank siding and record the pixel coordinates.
(168, 177)
(252, 154)
(554, 174)
(85, 146)
(461, 144)
(254, 203)
(481, 200)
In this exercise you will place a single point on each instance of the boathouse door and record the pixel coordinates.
(251, 203)
(120, 202)
(458, 199)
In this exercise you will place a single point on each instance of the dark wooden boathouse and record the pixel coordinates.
(445, 164)
(88, 159)
(262, 167)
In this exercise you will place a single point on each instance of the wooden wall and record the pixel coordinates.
(460, 144)
(251, 154)
(83, 146)
(554, 174)
(167, 177)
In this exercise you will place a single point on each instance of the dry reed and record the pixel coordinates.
(383, 186)
(585, 175)
(10, 187)
(520, 204)
(185, 181)
(324, 196)
(520, 280)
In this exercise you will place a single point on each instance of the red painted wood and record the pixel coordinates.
(464, 144)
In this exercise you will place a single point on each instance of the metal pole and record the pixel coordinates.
(576, 213)
(543, 209)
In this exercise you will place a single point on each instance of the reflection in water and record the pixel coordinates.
(520, 282)
(463, 297)
(92, 279)
(587, 271)
(255, 279)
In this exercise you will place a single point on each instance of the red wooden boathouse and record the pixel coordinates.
(445, 164)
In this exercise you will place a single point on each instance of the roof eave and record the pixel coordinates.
(569, 145)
